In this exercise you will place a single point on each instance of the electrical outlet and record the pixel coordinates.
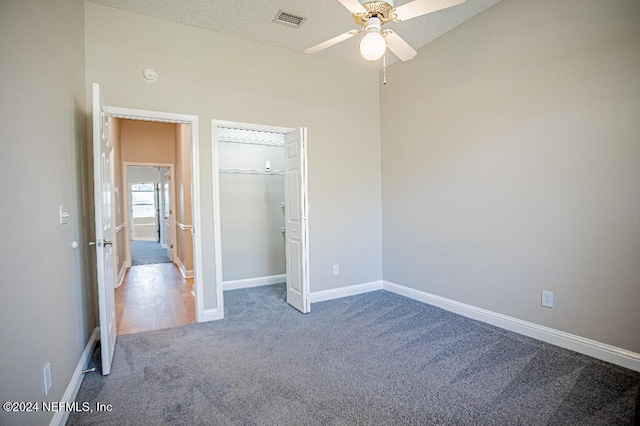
(547, 299)
(46, 377)
(336, 269)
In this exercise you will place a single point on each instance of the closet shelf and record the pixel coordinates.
(251, 172)
(248, 141)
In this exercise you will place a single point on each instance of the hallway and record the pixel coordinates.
(153, 297)
(147, 253)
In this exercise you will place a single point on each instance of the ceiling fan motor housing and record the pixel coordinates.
(379, 9)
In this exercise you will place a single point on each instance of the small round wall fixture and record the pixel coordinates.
(150, 75)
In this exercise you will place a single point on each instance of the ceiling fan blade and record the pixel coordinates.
(354, 6)
(422, 7)
(331, 42)
(399, 47)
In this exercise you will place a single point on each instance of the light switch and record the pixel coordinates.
(64, 215)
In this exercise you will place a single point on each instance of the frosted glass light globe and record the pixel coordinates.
(372, 46)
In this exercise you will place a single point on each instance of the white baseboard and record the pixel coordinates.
(352, 290)
(210, 315)
(186, 273)
(60, 417)
(253, 282)
(592, 348)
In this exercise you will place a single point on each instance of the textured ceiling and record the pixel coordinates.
(253, 20)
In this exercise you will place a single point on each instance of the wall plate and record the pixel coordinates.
(64, 215)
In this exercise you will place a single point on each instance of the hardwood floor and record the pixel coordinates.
(153, 297)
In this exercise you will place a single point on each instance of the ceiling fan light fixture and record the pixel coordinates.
(373, 44)
(372, 15)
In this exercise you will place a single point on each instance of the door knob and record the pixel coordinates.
(101, 243)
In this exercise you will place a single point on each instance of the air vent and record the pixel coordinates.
(288, 19)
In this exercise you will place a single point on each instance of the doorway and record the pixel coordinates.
(261, 208)
(150, 204)
(109, 229)
(156, 289)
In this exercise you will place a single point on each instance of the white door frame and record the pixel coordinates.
(168, 117)
(165, 190)
(126, 203)
(217, 235)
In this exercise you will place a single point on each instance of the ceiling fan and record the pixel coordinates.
(372, 15)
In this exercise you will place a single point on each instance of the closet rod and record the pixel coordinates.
(251, 172)
(250, 141)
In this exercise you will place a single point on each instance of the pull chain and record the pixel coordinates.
(384, 69)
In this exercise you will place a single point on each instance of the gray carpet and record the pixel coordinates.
(147, 253)
(372, 359)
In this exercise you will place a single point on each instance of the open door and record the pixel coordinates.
(102, 166)
(296, 220)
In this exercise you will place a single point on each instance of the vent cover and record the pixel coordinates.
(289, 19)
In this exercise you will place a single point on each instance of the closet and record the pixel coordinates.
(251, 171)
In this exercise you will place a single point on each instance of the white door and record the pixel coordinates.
(102, 165)
(296, 220)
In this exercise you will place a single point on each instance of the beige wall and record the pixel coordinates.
(148, 142)
(184, 242)
(183, 174)
(216, 76)
(510, 165)
(142, 174)
(46, 291)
